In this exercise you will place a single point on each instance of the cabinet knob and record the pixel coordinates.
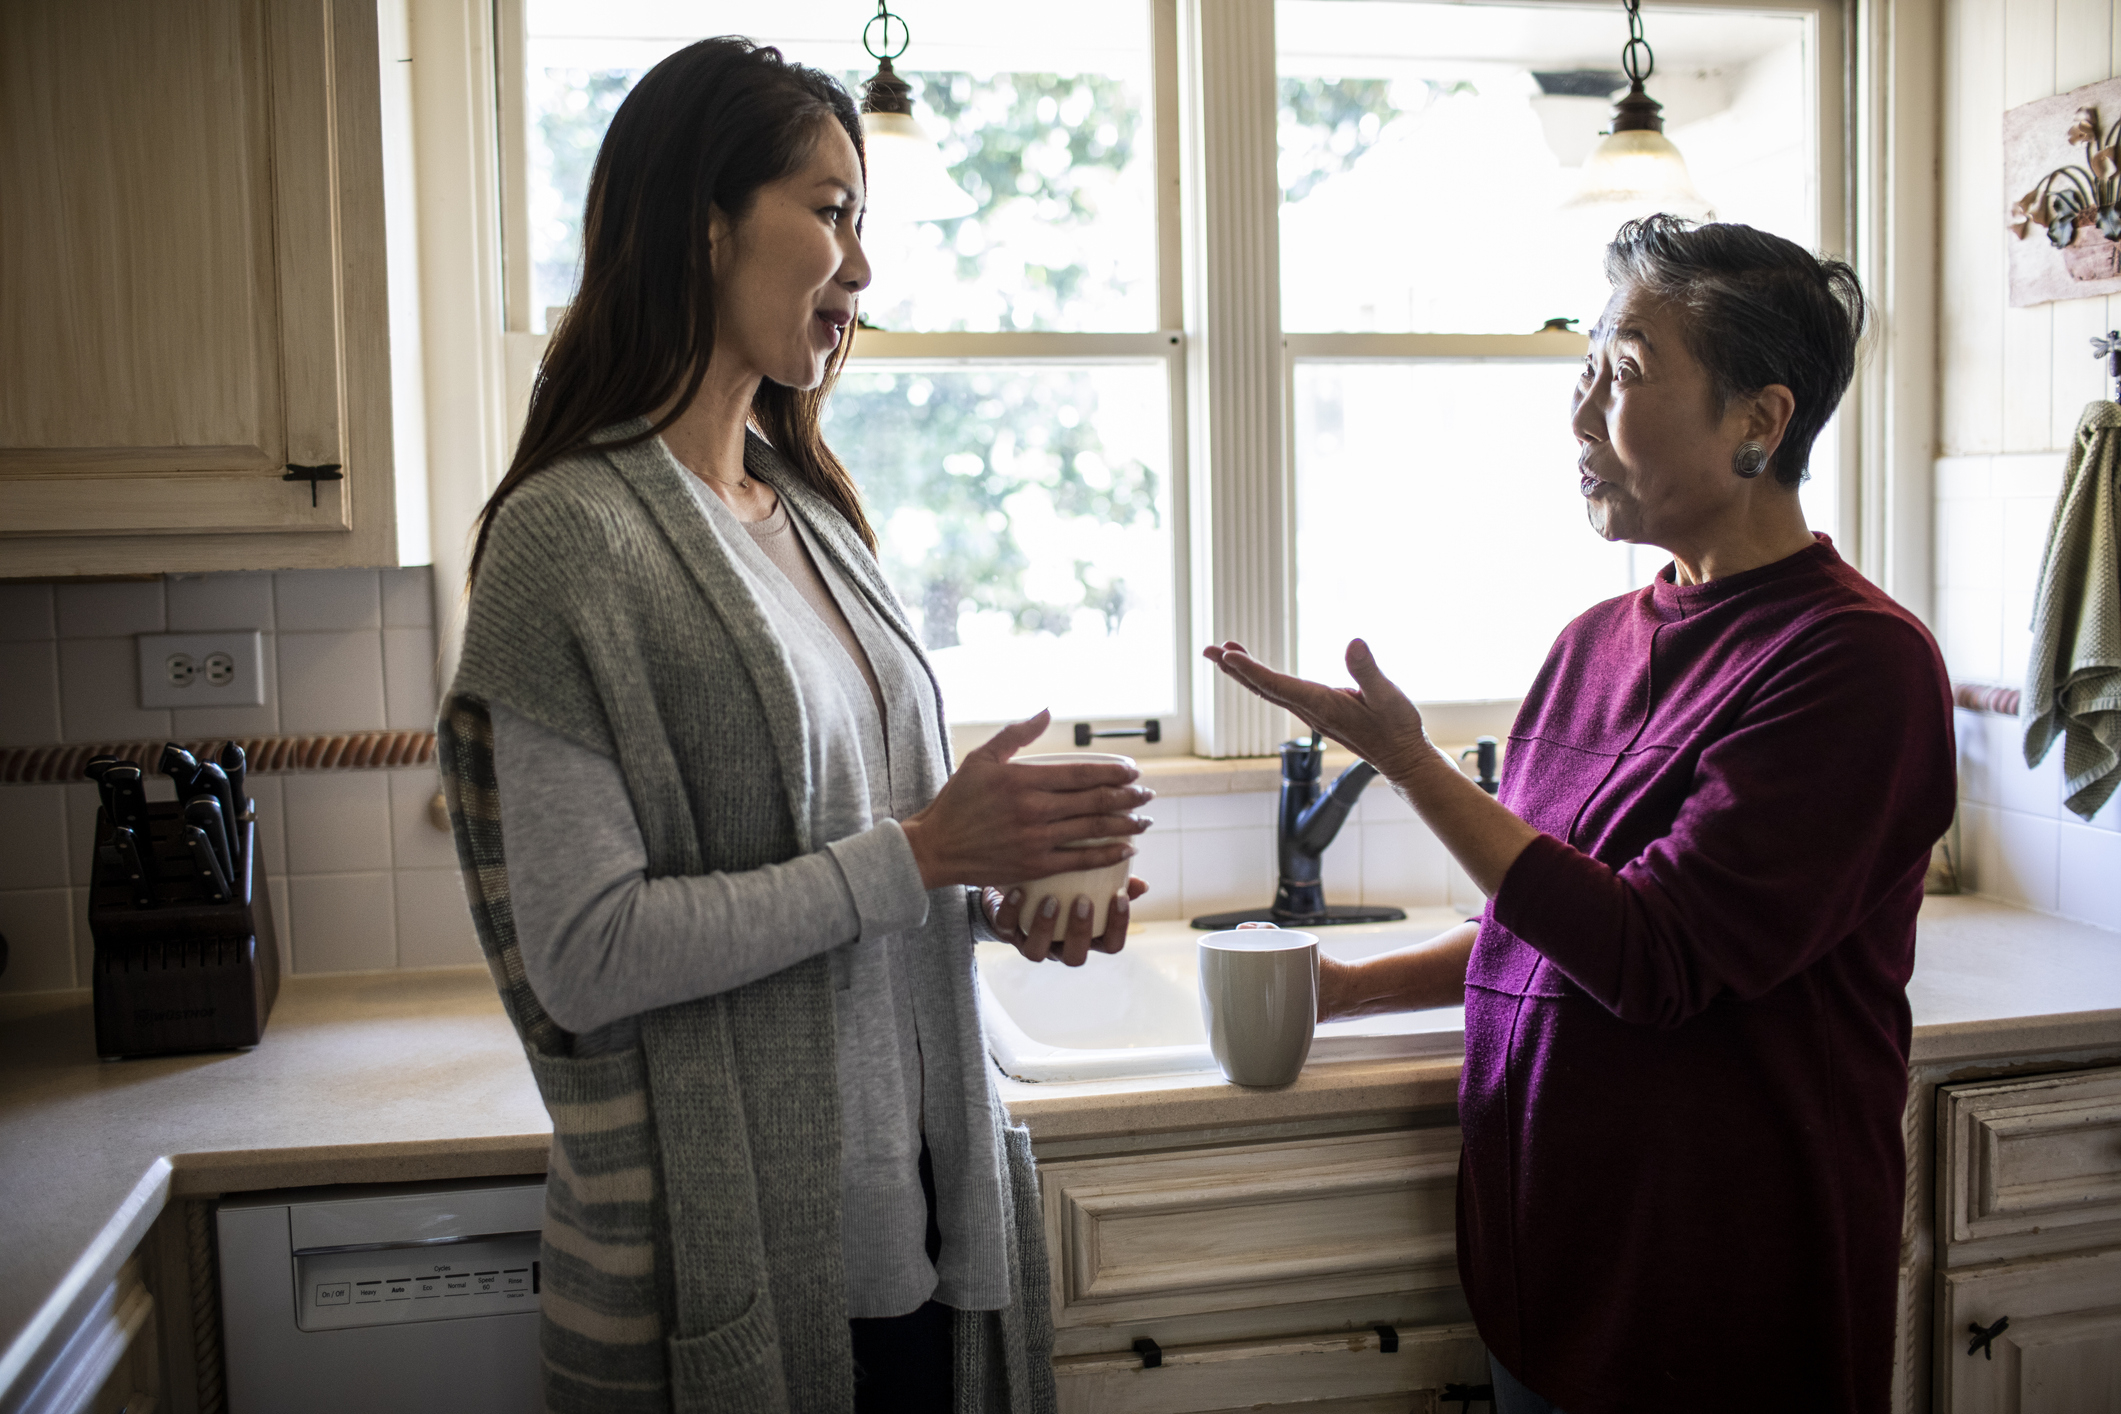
(1984, 1336)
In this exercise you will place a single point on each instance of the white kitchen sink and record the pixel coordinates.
(1138, 1013)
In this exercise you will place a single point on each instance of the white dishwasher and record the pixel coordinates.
(382, 1297)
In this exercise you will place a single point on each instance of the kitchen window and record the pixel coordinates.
(1425, 155)
(1008, 406)
(1190, 371)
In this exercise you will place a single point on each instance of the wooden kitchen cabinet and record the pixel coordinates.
(2029, 1212)
(1331, 1373)
(1261, 1264)
(194, 273)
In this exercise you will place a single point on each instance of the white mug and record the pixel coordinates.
(1097, 885)
(1259, 1001)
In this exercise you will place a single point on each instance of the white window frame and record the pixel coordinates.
(1243, 30)
(1230, 367)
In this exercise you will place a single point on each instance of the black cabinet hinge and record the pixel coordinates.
(313, 474)
(1151, 1353)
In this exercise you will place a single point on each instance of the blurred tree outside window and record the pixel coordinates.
(1064, 238)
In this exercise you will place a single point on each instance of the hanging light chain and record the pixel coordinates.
(1636, 59)
(884, 17)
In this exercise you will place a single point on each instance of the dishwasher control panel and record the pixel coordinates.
(479, 1276)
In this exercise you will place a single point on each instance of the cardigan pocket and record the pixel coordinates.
(734, 1368)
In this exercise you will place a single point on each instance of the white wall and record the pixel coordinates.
(2012, 383)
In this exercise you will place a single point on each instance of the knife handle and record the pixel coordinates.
(95, 770)
(213, 781)
(202, 856)
(180, 766)
(236, 764)
(204, 811)
(123, 852)
(128, 797)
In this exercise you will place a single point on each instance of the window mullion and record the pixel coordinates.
(1241, 523)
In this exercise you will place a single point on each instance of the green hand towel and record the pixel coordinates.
(2073, 681)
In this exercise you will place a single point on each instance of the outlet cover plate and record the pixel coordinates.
(202, 669)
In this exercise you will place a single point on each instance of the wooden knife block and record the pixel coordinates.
(182, 973)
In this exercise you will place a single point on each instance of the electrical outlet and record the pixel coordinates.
(202, 669)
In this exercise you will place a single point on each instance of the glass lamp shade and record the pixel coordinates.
(907, 178)
(1638, 173)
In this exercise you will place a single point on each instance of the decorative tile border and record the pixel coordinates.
(348, 751)
(1981, 697)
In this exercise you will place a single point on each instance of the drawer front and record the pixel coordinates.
(1143, 1237)
(2059, 1351)
(1334, 1373)
(2031, 1154)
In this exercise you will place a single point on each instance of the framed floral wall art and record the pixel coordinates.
(2062, 177)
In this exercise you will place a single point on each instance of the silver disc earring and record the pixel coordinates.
(1749, 460)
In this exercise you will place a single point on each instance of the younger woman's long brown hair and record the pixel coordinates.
(705, 128)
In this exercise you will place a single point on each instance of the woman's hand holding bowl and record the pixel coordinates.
(997, 823)
(1049, 936)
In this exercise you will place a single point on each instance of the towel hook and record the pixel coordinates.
(2108, 347)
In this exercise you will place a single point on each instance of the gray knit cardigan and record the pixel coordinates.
(691, 1256)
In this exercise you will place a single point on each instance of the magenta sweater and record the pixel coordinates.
(1686, 1019)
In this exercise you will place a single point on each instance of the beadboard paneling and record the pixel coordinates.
(2014, 380)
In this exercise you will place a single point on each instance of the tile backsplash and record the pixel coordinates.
(361, 879)
(359, 875)
(2017, 841)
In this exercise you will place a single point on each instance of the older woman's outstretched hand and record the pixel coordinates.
(1373, 719)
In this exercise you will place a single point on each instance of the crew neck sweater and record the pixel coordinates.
(1686, 1020)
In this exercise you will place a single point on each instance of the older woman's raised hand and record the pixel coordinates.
(1373, 719)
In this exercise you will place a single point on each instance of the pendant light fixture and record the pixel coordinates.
(907, 179)
(1636, 171)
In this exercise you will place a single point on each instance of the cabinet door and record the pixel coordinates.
(192, 279)
(2060, 1351)
(1333, 1373)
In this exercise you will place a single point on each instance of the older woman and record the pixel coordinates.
(1686, 1024)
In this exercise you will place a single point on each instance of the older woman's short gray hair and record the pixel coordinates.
(1761, 310)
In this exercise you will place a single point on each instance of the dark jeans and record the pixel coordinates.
(902, 1364)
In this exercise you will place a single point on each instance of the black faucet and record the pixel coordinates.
(1307, 824)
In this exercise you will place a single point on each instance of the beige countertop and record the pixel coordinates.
(395, 1077)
